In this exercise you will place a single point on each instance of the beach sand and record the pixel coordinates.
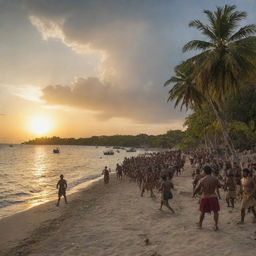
(114, 220)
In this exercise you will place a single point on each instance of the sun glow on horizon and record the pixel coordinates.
(40, 125)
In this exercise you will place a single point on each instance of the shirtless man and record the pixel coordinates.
(62, 186)
(105, 172)
(248, 189)
(165, 189)
(119, 172)
(209, 185)
(230, 188)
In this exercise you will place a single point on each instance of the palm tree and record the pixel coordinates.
(184, 91)
(225, 60)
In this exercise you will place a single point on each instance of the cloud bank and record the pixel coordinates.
(136, 46)
(108, 101)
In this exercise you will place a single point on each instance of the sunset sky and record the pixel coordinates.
(77, 68)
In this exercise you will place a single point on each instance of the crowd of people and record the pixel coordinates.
(210, 173)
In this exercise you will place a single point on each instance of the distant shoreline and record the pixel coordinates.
(168, 140)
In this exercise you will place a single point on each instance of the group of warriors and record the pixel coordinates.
(211, 173)
(236, 178)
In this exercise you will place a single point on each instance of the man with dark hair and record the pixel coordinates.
(230, 188)
(105, 172)
(166, 193)
(62, 186)
(209, 186)
(248, 190)
(119, 172)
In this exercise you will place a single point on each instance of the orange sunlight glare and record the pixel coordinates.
(40, 125)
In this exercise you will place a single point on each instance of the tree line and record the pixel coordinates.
(168, 140)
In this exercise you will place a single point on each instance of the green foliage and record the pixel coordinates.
(240, 112)
(167, 140)
(217, 75)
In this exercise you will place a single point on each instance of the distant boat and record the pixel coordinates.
(109, 152)
(131, 150)
(118, 151)
(11, 145)
(117, 147)
(56, 151)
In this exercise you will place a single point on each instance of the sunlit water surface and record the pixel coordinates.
(28, 174)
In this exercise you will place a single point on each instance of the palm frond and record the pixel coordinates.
(197, 45)
(243, 32)
(206, 30)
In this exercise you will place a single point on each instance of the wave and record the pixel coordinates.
(20, 194)
(6, 203)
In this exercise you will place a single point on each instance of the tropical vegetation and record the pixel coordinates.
(213, 82)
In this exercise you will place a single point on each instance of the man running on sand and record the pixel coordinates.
(62, 186)
(248, 190)
(166, 193)
(209, 185)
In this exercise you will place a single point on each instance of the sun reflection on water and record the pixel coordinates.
(40, 168)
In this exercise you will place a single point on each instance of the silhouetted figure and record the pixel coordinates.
(105, 172)
(62, 186)
(166, 193)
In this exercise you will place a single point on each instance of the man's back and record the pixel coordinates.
(209, 184)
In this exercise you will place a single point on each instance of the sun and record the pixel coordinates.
(40, 125)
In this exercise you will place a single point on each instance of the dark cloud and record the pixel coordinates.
(141, 43)
(109, 101)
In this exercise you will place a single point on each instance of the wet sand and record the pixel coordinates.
(114, 220)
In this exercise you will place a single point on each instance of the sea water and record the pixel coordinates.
(29, 173)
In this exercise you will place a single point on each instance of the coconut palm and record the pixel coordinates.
(225, 60)
(184, 91)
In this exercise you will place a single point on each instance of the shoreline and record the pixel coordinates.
(113, 220)
(19, 226)
(70, 191)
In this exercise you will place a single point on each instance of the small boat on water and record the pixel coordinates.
(117, 147)
(109, 152)
(56, 151)
(131, 150)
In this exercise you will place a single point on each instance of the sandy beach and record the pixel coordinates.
(114, 220)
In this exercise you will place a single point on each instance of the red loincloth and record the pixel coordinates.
(210, 204)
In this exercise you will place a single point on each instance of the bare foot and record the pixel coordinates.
(216, 228)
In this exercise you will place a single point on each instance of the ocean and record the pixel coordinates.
(29, 173)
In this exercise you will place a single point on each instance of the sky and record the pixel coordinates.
(78, 68)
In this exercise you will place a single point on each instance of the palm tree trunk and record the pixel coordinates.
(205, 138)
(226, 136)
